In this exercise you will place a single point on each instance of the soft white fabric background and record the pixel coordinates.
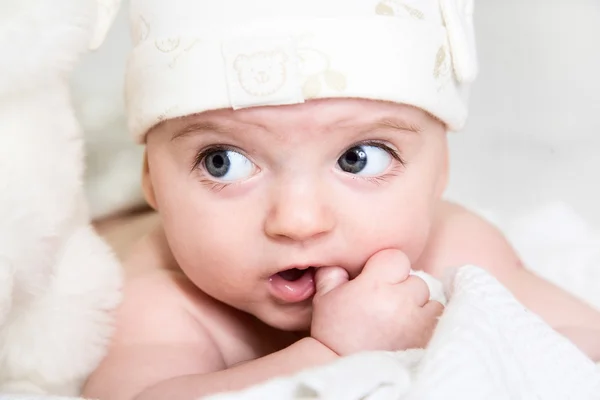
(534, 130)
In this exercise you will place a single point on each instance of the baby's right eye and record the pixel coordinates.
(227, 165)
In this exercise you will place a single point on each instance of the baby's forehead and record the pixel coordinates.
(318, 113)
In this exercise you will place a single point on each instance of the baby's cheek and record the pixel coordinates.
(408, 232)
(212, 258)
(415, 242)
(213, 269)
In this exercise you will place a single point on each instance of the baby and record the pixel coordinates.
(297, 155)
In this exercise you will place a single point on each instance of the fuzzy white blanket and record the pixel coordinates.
(487, 345)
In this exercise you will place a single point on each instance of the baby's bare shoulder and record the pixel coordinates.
(162, 297)
(158, 335)
(157, 290)
(459, 237)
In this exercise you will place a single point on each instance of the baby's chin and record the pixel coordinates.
(287, 320)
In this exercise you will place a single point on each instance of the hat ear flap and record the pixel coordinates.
(106, 12)
(458, 18)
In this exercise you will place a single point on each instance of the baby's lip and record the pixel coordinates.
(293, 285)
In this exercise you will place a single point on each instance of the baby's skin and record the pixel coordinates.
(285, 241)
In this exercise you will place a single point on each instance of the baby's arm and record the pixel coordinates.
(303, 354)
(461, 237)
(179, 373)
(161, 352)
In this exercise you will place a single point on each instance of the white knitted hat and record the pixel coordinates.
(191, 56)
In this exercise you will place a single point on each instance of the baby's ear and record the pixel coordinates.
(106, 12)
(147, 185)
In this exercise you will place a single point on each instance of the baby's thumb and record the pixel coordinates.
(329, 278)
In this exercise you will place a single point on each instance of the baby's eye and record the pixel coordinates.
(228, 165)
(365, 160)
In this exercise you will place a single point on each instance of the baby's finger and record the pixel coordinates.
(329, 278)
(433, 308)
(416, 288)
(391, 266)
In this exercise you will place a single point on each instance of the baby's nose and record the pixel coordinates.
(299, 212)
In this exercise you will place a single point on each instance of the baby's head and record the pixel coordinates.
(293, 136)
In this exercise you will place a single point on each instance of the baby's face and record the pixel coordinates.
(254, 200)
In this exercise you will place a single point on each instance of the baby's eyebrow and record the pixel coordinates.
(395, 123)
(200, 127)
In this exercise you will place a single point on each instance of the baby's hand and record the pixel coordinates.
(384, 308)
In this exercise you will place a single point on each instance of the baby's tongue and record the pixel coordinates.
(292, 274)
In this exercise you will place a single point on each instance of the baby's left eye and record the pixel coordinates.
(365, 160)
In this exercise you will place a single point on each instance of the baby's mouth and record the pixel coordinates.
(294, 274)
(293, 285)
